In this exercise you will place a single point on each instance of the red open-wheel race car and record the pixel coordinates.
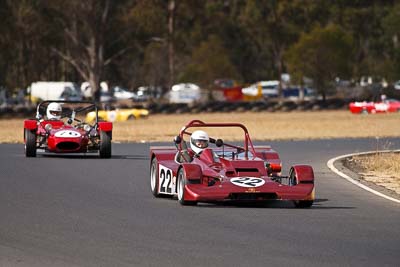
(389, 105)
(60, 127)
(227, 172)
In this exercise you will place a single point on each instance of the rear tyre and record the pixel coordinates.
(181, 189)
(30, 143)
(154, 177)
(105, 144)
(131, 118)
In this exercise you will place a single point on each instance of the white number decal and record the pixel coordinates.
(381, 107)
(248, 181)
(167, 183)
(67, 134)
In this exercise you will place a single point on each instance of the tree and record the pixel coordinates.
(363, 21)
(22, 42)
(322, 55)
(273, 26)
(210, 61)
(391, 25)
(87, 32)
(149, 63)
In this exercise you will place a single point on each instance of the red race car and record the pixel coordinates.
(389, 105)
(59, 127)
(226, 172)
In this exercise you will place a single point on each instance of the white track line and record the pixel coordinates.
(351, 180)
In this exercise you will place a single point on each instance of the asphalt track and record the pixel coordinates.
(78, 211)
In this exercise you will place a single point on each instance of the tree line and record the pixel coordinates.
(162, 42)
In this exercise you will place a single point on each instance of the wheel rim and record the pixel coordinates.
(153, 177)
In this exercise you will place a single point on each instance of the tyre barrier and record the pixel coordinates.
(207, 107)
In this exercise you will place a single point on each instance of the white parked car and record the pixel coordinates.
(397, 85)
(184, 93)
(120, 93)
(45, 90)
(261, 89)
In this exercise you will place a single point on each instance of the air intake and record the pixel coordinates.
(253, 196)
(68, 146)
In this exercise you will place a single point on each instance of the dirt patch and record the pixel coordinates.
(384, 181)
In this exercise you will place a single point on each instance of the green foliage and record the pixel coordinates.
(246, 40)
(210, 61)
(323, 54)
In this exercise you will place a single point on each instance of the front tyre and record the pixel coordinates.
(105, 144)
(181, 189)
(30, 143)
(301, 204)
(154, 177)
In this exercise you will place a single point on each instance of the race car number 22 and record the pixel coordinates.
(166, 181)
(248, 181)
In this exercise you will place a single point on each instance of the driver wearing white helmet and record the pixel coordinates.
(53, 111)
(199, 141)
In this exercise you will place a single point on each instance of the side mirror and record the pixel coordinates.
(177, 139)
(219, 142)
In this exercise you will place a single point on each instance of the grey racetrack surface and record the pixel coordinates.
(78, 211)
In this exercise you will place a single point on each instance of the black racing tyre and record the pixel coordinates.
(303, 203)
(131, 118)
(154, 177)
(30, 143)
(105, 144)
(292, 182)
(292, 177)
(181, 189)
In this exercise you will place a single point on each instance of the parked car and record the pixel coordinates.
(43, 90)
(121, 94)
(388, 105)
(184, 93)
(118, 114)
(261, 89)
(397, 85)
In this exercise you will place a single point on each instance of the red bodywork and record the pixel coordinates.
(56, 136)
(390, 105)
(229, 172)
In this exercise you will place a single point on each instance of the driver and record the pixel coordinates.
(53, 111)
(199, 141)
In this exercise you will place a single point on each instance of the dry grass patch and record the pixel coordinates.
(261, 125)
(382, 169)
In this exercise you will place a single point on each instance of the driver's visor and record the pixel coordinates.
(55, 112)
(201, 143)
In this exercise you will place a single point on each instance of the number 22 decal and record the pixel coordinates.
(166, 182)
(248, 181)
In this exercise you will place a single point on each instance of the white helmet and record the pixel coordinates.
(54, 111)
(199, 141)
